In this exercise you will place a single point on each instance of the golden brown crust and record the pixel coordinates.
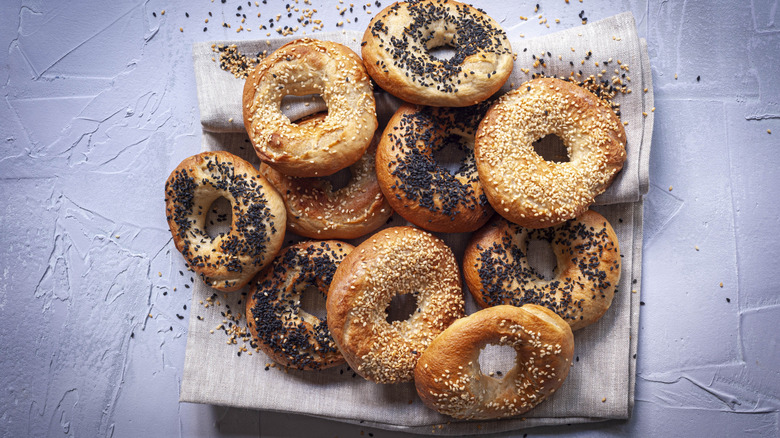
(395, 53)
(583, 285)
(315, 210)
(520, 184)
(448, 376)
(304, 67)
(417, 187)
(284, 331)
(394, 261)
(228, 261)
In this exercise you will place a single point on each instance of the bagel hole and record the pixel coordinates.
(401, 308)
(497, 360)
(442, 53)
(340, 179)
(452, 156)
(541, 258)
(297, 108)
(313, 302)
(551, 148)
(218, 217)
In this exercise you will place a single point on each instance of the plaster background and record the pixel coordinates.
(99, 106)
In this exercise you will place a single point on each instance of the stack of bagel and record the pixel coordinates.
(448, 105)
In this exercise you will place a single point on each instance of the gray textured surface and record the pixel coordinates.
(99, 105)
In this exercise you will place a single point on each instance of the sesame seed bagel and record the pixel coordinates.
(300, 68)
(317, 211)
(518, 182)
(288, 334)
(448, 377)
(420, 189)
(229, 260)
(496, 269)
(396, 53)
(400, 260)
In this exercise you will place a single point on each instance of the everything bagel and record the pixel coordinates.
(284, 331)
(496, 269)
(396, 53)
(416, 185)
(227, 261)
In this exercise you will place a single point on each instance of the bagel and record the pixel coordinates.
(304, 67)
(396, 53)
(285, 332)
(228, 261)
(448, 378)
(400, 260)
(496, 268)
(417, 187)
(317, 211)
(518, 182)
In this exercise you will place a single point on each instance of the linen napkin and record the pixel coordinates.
(600, 385)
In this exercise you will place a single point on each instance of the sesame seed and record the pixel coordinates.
(403, 260)
(505, 157)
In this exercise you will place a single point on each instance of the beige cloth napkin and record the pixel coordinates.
(600, 385)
